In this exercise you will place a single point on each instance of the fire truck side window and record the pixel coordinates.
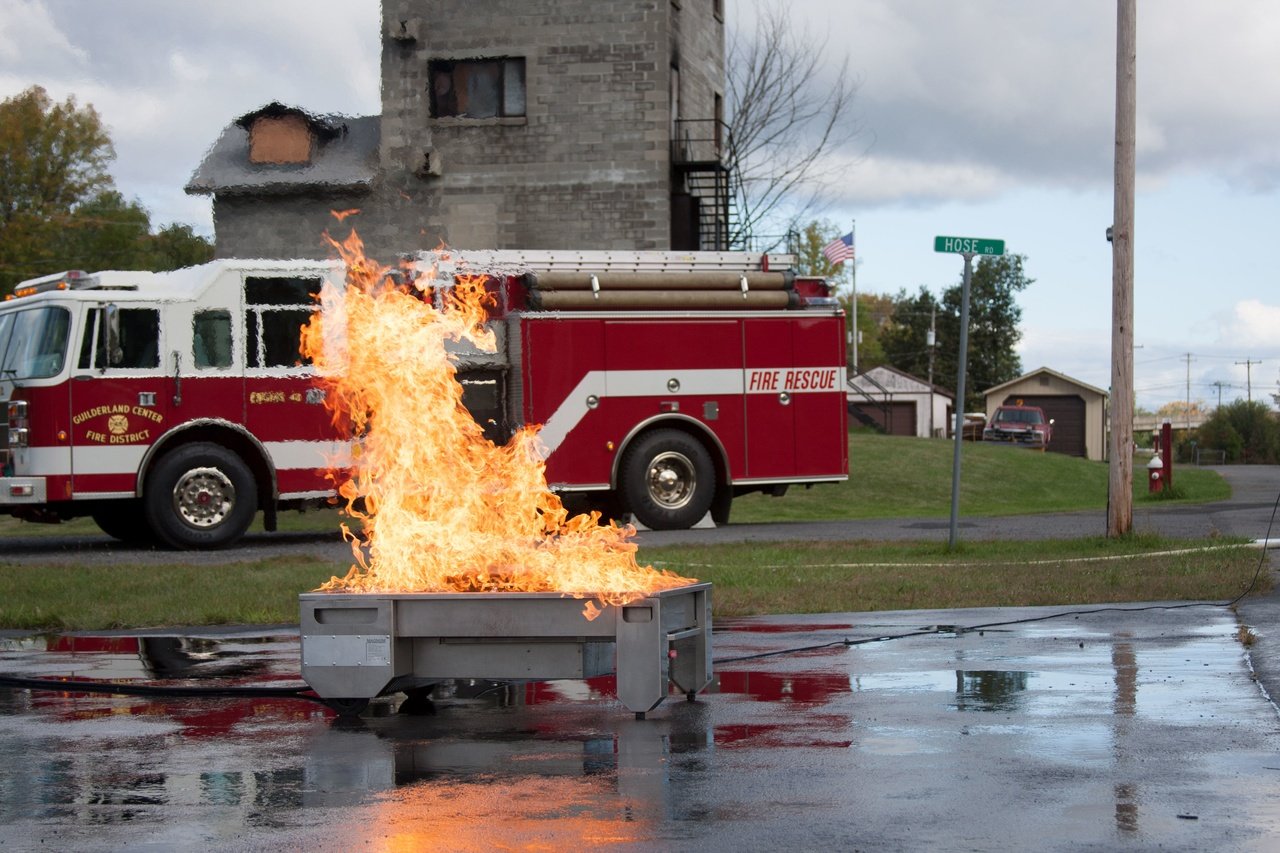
(277, 309)
(121, 339)
(211, 338)
(139, 338)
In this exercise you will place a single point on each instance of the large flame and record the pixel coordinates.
(442, 509)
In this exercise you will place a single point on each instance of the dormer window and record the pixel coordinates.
(280, 140)
(280, 135)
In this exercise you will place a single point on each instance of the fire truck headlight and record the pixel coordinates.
(17, 413)
(18, 437)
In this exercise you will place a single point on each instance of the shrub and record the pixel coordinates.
(1247, 431)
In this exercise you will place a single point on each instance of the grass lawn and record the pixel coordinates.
(793, 577)
(891, 477)
(896, 477)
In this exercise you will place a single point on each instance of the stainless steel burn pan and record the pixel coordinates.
(356, 646)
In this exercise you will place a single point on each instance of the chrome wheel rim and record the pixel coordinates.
(204, 497)
(671, 480)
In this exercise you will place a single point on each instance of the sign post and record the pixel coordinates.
(966, 247)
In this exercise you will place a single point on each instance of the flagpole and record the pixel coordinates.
(853, 278)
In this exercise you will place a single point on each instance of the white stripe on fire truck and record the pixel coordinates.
(632, 383)
(295, 455)
(655, 383)
(49, 461)
(127, 458)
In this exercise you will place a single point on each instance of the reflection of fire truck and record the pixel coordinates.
(173, 406)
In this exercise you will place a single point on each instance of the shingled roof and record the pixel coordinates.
(345, 157)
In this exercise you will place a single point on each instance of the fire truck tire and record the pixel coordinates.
(124, 520)
(200, 495)
(668, 480)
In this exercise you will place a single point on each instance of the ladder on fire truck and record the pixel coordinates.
(556, 260)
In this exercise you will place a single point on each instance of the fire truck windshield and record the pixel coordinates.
(33, 342)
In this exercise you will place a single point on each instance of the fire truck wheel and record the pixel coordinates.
(123, 520)
(668, 480)
(200, 496)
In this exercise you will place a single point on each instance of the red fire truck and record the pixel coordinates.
(173, 406)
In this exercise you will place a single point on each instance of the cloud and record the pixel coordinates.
(1025, 92)
(166, 78)
(1252, 323)
(28, 31)
(873, 180)
(1082, 354)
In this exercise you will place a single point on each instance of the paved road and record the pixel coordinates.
(1249, 513)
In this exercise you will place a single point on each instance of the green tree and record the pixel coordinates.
(1247, 431)
(993, 330)
(807, 248)
(873, 309)
(59, 208)
(105, 231)
(905, 339)
(993, 324)
(176, 246)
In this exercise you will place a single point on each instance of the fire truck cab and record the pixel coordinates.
(173, 406)
(168, 406)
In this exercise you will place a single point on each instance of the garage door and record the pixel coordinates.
(894, 418)
(1067, 413)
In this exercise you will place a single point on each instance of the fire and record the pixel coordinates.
(443, 509)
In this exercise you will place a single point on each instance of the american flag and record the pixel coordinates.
(839, 249)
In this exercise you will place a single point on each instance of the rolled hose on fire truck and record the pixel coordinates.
(583, 290)
(661, 281)
(689, 300)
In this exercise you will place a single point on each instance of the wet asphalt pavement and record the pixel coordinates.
(1140, 727)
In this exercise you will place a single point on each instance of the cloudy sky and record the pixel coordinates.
(988, 118)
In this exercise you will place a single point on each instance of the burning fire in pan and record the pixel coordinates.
(443, 509)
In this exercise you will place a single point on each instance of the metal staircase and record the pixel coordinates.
(704, 172)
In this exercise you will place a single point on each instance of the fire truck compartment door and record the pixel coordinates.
(795, 397)
(686, 366)
(771, 419)
(822, 434)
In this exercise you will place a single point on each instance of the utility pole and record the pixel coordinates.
(1120, 446)
(1248, 376)
(932, 340)
(1219, 385)
(1187, 356)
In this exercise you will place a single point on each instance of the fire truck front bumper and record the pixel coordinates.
(22, 491)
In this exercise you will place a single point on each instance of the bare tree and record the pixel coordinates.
(789, 110)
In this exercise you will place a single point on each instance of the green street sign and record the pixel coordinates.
(968, 245)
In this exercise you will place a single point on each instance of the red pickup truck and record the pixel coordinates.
(1023, 425)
